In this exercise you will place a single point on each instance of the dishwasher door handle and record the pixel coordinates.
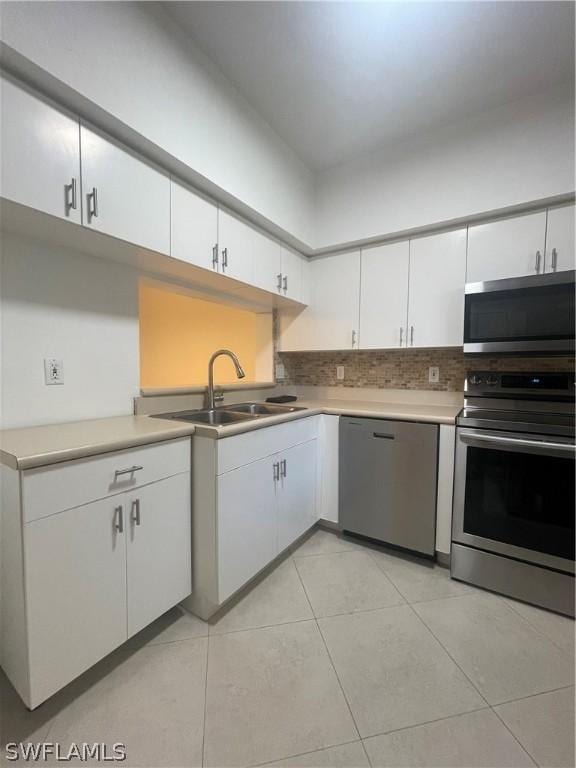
(382, 436)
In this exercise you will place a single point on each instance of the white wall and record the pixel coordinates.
(132, 61)
(518, 153)
(63, 304)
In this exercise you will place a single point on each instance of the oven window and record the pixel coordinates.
(530, 314)
(522, 499)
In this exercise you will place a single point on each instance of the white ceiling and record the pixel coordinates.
(339, 79)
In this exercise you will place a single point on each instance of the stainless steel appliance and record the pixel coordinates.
(388, 477)
(513, 515)
(526, 314)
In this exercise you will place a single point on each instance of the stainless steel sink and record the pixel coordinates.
(213, 417)
(230, 414)
(262, 409)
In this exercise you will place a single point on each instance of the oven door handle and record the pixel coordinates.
(518, 443)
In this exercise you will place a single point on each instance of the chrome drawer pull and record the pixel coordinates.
(128, 470)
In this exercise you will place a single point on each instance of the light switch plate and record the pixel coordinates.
(433, 374)
(53, 371)
(280, 372)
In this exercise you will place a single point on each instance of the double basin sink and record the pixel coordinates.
(230, 414)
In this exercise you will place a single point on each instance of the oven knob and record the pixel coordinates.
(475, 379)
(492, 381)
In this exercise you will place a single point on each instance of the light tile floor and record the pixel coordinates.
(343, 656)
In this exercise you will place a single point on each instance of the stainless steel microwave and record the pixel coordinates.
(532, 314)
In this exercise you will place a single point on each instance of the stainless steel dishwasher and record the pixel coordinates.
(388, 480)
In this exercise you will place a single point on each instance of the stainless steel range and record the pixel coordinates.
(513, 516)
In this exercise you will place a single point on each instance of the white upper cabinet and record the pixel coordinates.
(266, 262)
(384, 296)
(560, 239)
(332, 317)
(122, 195)
(236, 242)
(436, 290)
(292, 271)
(193, 228)
(506, 248)
(40, 149)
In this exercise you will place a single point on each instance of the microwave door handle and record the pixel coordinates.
(517, 443)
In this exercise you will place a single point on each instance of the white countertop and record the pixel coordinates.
(52, 443)
(37, 446)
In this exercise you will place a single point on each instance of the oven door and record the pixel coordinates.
(514, 495)
(527, 314)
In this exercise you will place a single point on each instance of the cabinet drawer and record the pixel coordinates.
(243, 449)
(61, 486)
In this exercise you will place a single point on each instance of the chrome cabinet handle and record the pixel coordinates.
(285, 284)
(401, 335)
(135, 513)
(279, 283)
(224, 258)
(283, 468)
(554, 259)
(119, 519)
(71, 202)
(353, 338)
(92, 198)
(276, 470)
(537, 263)
(411, 335)
(215, 257)
(128, 470)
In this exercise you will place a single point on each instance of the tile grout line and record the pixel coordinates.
(302, 754)
(537, 629)
(330, 658)
(475, 686)
(203, 756)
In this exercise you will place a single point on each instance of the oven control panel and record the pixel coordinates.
(555, 384)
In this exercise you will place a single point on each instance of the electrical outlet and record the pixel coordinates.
(280, 372)
(340, 372)
(433, 374)
(53, 371)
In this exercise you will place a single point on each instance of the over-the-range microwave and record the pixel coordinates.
(532, 315)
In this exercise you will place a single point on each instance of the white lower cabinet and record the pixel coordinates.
(158, 549)
(253, 495)
(246, 524)
(75, 565)
(296, 492)
(90, 575)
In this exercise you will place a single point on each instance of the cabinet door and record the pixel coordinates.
(560, 239)
(292, 275)
(298, 493)
(384, 296)
(266, 262)
(193, 228)
(158, 549)
(236, 241)
(246, 524)
(122, 195)
(332, 317)
(40, 149)
(75, 591)
(436, 290)
(506, 248)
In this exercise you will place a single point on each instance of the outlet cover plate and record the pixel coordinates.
(433, 374)
(53, 371)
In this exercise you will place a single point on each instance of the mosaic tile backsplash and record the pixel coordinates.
(403, 368)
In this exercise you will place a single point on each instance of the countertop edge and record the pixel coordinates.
(375, 411)
(35, 461)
